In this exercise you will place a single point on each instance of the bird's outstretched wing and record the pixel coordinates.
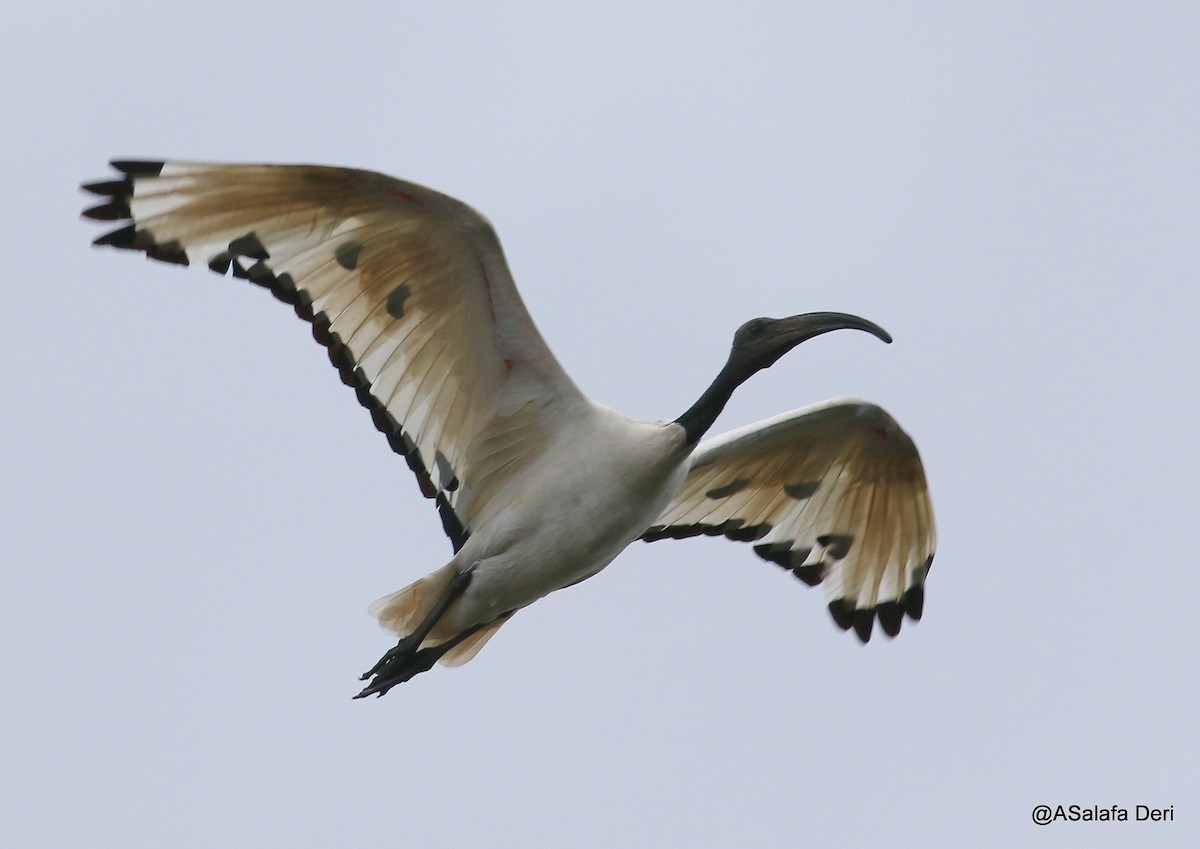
(406, 287)
(834, 492)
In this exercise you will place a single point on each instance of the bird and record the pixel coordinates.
(537, 486)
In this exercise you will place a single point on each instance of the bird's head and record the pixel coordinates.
(758, 344)
(761, 341)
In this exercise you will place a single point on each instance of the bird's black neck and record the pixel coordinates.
(701, 415)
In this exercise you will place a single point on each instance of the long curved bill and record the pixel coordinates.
(799, 328)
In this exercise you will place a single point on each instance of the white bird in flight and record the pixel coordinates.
(537, 486)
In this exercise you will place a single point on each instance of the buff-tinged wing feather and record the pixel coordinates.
(407, 288)
(835, 492)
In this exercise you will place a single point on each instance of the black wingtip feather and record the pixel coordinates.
(320, 329)
(863, 621)
(303, 305)
(891, 617)
(250, 246)
(362, 390)
(115, 210)
(171, 252)
(450, 524)
(260, 274)
(914, 602)
(748, 533)
(385, 422)
(812, 574)
(108, 188)
(842, 613)
(340, 355)
(778, 553)
(125, 238)
(396, 441)
(658, 532)
(138, 167)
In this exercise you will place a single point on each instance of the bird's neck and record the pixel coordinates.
(701, 415)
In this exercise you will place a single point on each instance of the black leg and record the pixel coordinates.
(407, 659)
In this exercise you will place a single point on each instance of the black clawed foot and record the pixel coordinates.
(404, 662)
(399, 665)
(396, 651)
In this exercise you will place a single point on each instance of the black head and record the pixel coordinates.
(761, 341)
(758, 344)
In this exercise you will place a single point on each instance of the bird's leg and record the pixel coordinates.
(406, 658)
(410, 643)
(400, 669)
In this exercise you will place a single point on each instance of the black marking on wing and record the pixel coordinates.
(107, 188)
(347, 255)
(138, 167)
(812, 573)
(801, 491)
(842, 612)
(914, 602)
(115, 210)
(451, 524)
(283, 287)
(863, 621)
(890, 613)
(792, 559)
(836, 546)
(891, 617)
(745, 533)
(833, 547)
(125, 238)
(781, 554)
(249, 245)
(395, 300)
(728, 489)
(172, 252)
(735, 529)
(446, 477)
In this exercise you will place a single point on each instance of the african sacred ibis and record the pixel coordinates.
(537, 486)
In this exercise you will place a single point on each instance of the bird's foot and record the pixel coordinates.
(398, 665)
(397, 651)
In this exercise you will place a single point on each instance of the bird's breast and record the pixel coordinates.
(586, 500)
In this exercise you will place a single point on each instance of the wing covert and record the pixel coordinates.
(835, 493)
(407, 288)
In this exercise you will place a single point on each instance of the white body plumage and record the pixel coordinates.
(572, 512)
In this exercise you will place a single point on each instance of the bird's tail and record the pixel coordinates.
(403, 611)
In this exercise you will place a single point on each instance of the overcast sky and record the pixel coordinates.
(196, 513)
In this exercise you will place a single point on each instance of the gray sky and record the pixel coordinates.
(196, 512)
